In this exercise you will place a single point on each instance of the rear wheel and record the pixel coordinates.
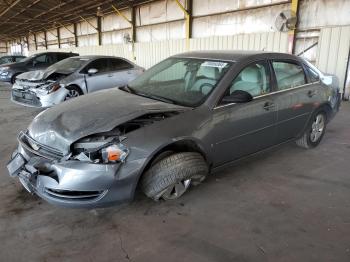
(171, 177)
(73, 91)
(315, 131)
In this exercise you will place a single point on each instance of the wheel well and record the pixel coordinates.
(326, 108)
(13, 78)
(176, 147)
(75, 86)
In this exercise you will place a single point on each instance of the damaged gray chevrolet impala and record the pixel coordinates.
(186, 117)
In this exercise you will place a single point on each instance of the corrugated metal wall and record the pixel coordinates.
(333, 51)
(150, 53)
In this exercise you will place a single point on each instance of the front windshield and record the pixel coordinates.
(183, 81)
(69, 64)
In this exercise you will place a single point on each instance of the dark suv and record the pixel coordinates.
(8, 72)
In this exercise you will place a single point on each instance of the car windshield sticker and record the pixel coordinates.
(214, 64)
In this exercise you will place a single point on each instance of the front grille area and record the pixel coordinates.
(74, 195)
(37, 148)
(26, 97)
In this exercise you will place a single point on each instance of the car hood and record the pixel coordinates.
(39, 75)
(62, 125)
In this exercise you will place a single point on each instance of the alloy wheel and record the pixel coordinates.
(176, 190)
(317, 128)
(71, 94)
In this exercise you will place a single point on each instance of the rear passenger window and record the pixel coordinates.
(288, 75)
(119, 64)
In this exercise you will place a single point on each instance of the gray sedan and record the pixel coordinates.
(191, 115)
(71, 78)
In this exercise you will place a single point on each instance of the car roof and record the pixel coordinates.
(96, 56)
(12, 56)
(55, 53)
(232, 55)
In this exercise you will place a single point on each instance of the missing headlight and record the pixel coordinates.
(100, 150)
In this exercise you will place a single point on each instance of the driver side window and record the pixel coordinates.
(254, 79)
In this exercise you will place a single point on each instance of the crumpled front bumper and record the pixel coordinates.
(35, 98)
(73, 183)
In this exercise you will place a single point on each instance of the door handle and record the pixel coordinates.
(268, 106)
(311, 93)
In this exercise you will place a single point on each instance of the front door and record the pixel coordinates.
(243, 129)
(103, 79)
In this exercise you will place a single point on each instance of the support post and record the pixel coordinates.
(75, 29)
(292, 33)
(35, 42)
(45, 39)
(133, 24)
(58, 37)
(99, 29)
(27, 40)
(188, 19)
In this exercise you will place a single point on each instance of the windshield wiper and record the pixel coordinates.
(130, 90)
(155, 97)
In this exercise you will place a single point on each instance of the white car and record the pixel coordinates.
(72, 77)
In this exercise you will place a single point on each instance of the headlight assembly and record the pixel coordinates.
(53, 87)
(114, 153)
(107, 151)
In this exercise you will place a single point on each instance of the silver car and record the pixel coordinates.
(72, 77)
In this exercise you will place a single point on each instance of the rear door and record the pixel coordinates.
(122, 71)
(103, 79)
(241, 129)
(294, 98)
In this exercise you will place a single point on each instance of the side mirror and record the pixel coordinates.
(92, 71)
(238, 96)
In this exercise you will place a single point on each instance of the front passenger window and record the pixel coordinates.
(100, 64)
(253, 79)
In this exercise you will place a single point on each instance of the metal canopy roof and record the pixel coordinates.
(21, 17)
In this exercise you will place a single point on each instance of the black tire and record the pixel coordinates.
(72, 89)
(173, 170)
(306, 141)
